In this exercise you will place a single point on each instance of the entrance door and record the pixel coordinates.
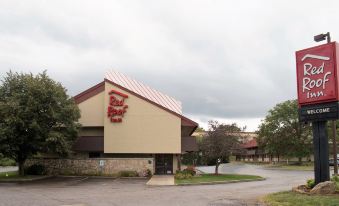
(163, 164)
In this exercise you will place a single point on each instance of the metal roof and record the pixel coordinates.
(250, 144)
(145, 91)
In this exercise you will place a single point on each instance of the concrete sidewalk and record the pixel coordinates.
(161, 180)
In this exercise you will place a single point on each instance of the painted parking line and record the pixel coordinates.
(75, 182)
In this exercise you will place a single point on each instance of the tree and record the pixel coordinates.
(37, 116)
(199, 129)
(281, 134)
(219, 142)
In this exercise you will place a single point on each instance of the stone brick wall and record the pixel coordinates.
(111, 166)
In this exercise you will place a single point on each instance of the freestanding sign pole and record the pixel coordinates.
(320, 143)
(318, 98)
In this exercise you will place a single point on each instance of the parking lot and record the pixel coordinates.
(86, 191)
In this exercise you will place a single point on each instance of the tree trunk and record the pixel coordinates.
(299, 160)
(216, 169)
(179, 162)
(21, 168)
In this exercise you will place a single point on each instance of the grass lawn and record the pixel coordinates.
(295, 199)
(291, 167)
(210, 178)
(10, 175)
(284, 166)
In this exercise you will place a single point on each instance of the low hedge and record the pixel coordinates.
(7, 162)
(187, 173)
(128, 173)
(35, 169)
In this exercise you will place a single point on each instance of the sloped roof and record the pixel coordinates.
(250, 144)
(142, 91)
(145, 91)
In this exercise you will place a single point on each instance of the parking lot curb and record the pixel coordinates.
(102, 177)
(94, 177)
(221, 182)
(141, 178)
(287, 169)
(25, 180)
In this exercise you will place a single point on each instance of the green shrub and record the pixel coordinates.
(335, 178)
(128, 173)
(35, 169)
(147, 173)
(310, 183)
(183, 175)
(7, 162)
(190, 170)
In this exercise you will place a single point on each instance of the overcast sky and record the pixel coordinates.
(225, 60)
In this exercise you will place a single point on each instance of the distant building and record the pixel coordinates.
(251, 152)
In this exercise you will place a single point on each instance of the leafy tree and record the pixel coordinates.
(219, 142)
(199, 129)
(281, 134)
(37, 116)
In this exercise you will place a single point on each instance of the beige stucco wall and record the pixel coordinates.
(92, 111)
(145, 128)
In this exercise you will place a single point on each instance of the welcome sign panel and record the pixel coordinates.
(317, 75)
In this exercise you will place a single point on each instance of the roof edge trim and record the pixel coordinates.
(96, 89)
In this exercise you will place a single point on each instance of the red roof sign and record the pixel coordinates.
(117, 107)
(317, 74)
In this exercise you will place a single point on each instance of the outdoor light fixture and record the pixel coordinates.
(322, 37)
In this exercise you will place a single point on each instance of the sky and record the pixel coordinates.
(229, 61)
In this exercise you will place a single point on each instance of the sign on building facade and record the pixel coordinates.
(116, 107)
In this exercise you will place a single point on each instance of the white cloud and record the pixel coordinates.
(229, 60)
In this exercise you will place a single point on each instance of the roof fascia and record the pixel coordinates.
(96, 89)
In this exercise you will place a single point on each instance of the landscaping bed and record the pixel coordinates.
(296, 199)
(215, 179)
(38, 172)
(322, 194)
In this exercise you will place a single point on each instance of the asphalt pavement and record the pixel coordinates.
(86, 191)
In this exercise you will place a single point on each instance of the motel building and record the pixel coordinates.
(128, 126)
